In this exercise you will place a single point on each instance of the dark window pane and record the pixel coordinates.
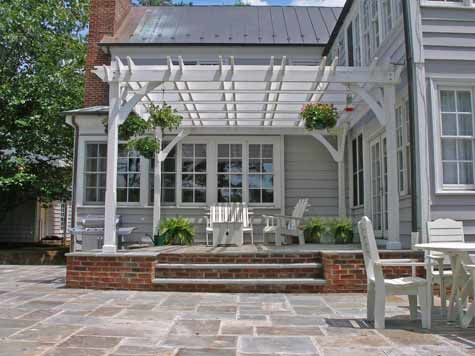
(134, 195)
(122, 180)
(168, 195)
(187, 180)
(254, 151)
(254, 195)
(91, 180)
(267, 196)
(200, 180)
(122, 165)
(91, 165)
(200, 165)
(236, 166)
(102, 195)
(91, 150)
(187, 195)
(134, 180)
(360, 152)
(169, 165)
(200, 196)
(101, 178)
(236, 151)
(254, 165)
(102, 151)
(267, 151)
(223, 151)
(223, 181)
(355, 190)
(267, 181)
(223, 165)
(361, 192)
(121, 195)
(187, 165)
(134, 164)
(354, 151)
(187, 151)
(223, 195)
(236, 195)
(102, 164)
(168, 180)
(91, 195)
(200, 151)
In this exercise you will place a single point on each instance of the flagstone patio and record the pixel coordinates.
(38, 316)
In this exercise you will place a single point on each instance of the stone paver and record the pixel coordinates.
(39, 317)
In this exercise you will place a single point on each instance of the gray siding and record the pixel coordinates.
(449, 49)
(310, 172)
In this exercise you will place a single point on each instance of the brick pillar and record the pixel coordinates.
(105, 18)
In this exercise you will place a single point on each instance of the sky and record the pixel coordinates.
(274, 2)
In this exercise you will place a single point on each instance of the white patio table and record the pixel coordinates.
(458, 252)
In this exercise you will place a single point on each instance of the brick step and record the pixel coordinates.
(262, 258)
(239, 270)
(244, 285)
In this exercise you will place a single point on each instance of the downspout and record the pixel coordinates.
(412, 112)
(75, 165)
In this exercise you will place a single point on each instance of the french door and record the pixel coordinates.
(379, 186)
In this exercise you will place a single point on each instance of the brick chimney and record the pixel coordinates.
(105, 18)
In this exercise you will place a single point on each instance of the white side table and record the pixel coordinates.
(228, 233)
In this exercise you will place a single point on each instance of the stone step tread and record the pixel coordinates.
(229, 266)
(250, 281)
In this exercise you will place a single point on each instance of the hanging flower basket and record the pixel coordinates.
(146, 146)
(319, 116)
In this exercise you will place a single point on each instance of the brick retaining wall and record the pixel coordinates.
(110, 272)
(345, 271)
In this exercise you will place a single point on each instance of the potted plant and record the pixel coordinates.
(342, 230)
(319, 116)
(175, 231)
(313, 230)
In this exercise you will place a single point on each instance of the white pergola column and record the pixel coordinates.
(157, 185)
(110, 233)
(341, 189)
(394, 241)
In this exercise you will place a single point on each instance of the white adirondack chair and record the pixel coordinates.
(232, 213)
(442, 230)
(379, 287)
(281, 225)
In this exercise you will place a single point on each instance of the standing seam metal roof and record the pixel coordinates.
(227, 25)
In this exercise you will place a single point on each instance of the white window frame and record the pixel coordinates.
(180, 172)
(361, 199)
(436, 87)
(84, 172)
(403, 145)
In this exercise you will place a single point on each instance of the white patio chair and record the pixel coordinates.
(229, 212)
(281, 225)
(442, 230)
(379, 287)
(469, 315)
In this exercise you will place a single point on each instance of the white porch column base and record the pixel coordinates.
(393, 245)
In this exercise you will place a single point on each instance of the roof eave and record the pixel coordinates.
(175, 44)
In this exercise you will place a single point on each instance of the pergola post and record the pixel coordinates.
(157, 185)
(110, 233)
(341, 189)
(394, 241)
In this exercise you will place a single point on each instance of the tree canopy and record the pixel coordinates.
(42, 55)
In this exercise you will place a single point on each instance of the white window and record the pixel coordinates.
(388, 20)
(357, 41)
(456, 138)
(95, 173)
(403, 147)
(193, 173)
(357, 171)
(128, 175)
(168, 196)
(261, 173)
(375, 35)
(366, 31)
(230, 173)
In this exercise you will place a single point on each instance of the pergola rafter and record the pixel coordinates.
(248, 97)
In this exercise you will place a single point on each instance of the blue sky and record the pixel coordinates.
(274, 2)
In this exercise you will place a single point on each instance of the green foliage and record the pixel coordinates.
(342, 230)
(42, 57)
(176, 231)
(133, 126)
(147, 146)
(164, 117)
(241, 3)
(319, 116)
(313, 230)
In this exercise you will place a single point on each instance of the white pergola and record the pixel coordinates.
(246, 99)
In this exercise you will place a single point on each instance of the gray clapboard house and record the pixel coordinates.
(402, 151)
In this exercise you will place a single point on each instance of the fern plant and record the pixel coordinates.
(176, 231)
(342, 230)
(313, 230)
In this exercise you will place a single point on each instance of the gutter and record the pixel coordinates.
(410, 65)
(75, 165)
